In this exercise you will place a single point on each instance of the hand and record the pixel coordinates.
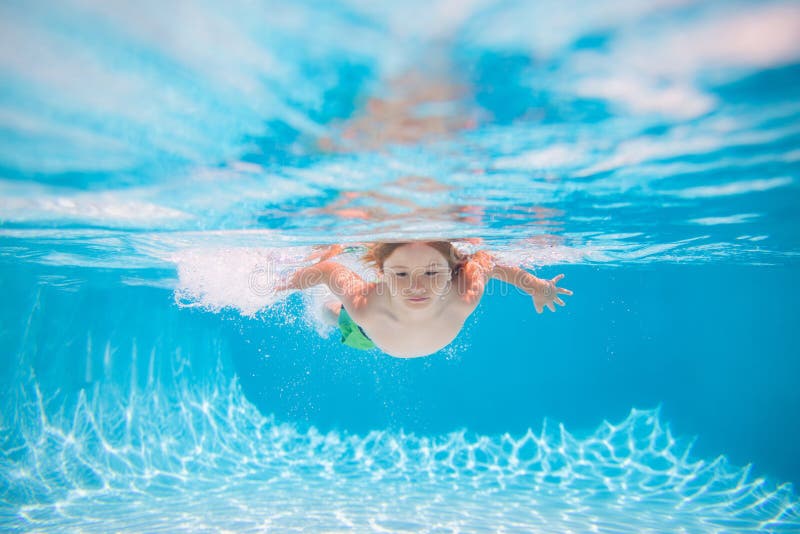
(546, 293)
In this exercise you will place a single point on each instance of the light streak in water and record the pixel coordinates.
(195, 454)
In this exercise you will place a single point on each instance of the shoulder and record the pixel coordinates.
(462, 302)
(472, 278)
(366, 303)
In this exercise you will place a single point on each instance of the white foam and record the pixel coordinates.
(241, 278)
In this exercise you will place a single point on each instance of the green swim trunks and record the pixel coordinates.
(352, 335)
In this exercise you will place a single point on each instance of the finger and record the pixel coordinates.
(557, 278)
(550, 305)
(539, 307)
(563, 291)
(558, 301)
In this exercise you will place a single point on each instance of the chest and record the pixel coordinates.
(411, 340)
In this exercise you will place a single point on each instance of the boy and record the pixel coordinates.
(425, 292)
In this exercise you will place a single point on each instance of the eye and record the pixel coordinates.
(401, 274)
(431, 273)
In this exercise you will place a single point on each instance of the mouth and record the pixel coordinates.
(417, 299)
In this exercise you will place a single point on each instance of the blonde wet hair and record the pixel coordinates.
(378, 253)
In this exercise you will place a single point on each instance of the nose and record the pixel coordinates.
(416, 285)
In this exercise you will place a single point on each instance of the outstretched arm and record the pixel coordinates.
(543, 292)
(481, 267)
(348, 286)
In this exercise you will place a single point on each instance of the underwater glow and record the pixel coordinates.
(194, 455)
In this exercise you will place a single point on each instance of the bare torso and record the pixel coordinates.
(408, 335)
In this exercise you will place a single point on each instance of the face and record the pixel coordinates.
(417, 275)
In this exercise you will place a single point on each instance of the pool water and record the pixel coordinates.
(162, 166)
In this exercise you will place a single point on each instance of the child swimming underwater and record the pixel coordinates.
(425, 293)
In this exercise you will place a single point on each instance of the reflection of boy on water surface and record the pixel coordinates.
(395, 204)
(424, 294)
(422, 105)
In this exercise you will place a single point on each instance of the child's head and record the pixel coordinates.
(378, 253)
(416, 272)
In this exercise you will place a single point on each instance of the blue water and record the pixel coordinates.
(162, 165)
